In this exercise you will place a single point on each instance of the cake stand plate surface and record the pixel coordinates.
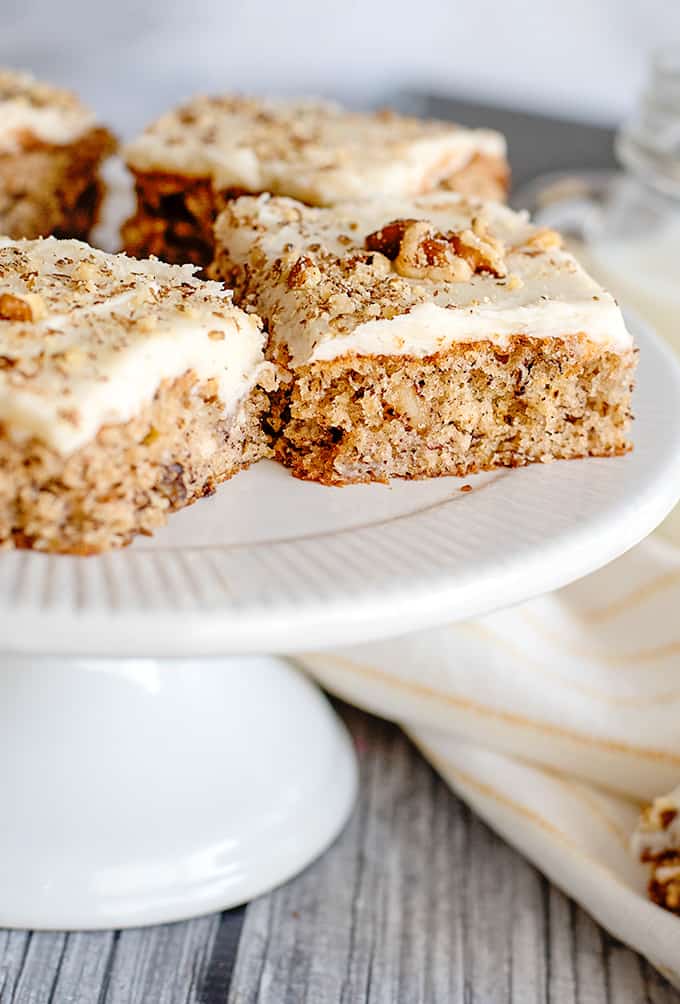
(137, 792)
(153, 766)
(273, 564)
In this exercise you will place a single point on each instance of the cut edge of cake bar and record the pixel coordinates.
(51, 150)
(128, 389)
(196, 157)
(440, 335)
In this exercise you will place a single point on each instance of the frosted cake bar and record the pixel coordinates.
(128, 389)
(427, 336)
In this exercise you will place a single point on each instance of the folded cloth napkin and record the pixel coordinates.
(556, 721)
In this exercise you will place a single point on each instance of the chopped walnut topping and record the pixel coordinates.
(544, 239)
(15, 85)
(145, 325)
(303, 273)
(661, 813)
(73, 319)
(151, 436)
(656, 841)
(388, 239)
(21, 96)
(316, 151)
(482, 251)
(426, 255)
(376, 262)
(410, 258)
(86, 271)
(74, 357)
(419, 252)
(37, 305)
(15, 308)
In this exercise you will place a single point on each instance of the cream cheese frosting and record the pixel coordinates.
(311, 150)
(34, 110)
(86, 338)
(324, 293)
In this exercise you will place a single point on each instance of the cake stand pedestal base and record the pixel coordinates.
(138, 791)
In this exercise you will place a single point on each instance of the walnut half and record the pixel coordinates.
(419, 251)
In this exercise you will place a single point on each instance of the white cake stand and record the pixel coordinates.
(155, 765)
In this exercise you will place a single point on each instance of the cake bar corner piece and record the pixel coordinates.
(128, 389)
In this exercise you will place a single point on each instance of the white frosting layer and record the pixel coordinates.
(354, 306)
(429, 328)
(310, 150)
(32, 109)
(106, 330)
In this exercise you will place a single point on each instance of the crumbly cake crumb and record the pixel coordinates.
(130, 478)
(464, 410)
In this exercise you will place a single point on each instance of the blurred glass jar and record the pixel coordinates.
(625, 226)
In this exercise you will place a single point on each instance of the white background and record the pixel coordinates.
(582, 58)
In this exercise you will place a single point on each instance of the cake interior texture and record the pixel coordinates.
(174, 218)
(471, 408)
(126, 482)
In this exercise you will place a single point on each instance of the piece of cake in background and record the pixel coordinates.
(192, 160)
(51, 150)
(427, 336)
(128, 389)
(656, 842)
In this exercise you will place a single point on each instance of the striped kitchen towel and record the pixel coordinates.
(556, 721)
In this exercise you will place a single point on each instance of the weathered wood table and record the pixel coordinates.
(417, 902)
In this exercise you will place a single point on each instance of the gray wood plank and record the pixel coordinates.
(658, 990)
(83, 971)
(590, 957)
(40, 969)
(159, 965)
(162, 965)
(418, 901)
(13, 949)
